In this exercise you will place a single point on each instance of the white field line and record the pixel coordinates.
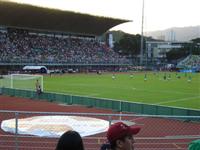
(178, 100)
(135, 89)
(183, 99)
(162, 91)
(74, 92)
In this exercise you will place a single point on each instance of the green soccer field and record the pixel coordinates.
(172, 91)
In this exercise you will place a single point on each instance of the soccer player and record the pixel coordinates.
(189, 79)
(113, 76)
(145, 77)
(131, 75)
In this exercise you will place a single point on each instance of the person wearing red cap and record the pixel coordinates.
(120, 136)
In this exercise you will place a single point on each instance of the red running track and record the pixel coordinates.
(156, 133)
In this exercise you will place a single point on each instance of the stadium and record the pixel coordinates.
(85, 85)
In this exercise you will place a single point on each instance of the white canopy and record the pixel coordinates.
(41, 68)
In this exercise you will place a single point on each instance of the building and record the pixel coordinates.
(158, 49)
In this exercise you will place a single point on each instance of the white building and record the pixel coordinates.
(158, 49)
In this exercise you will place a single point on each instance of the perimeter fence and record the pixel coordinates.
(22, 130)
(116, 105)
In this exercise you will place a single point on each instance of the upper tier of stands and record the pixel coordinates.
(34, 48)
(191, 61)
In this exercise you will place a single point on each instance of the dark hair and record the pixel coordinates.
(113, 144)
(70, 140)
(106, 146)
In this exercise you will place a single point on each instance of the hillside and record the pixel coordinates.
(176, 33)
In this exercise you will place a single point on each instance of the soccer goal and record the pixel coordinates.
(22, 81)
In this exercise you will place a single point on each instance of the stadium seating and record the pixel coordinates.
(191, 61)
(26, 47)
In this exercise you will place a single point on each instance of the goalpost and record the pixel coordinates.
(22, 81)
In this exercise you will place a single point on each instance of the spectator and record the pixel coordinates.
(120, 136)
(70, 140)
(26, 47)
(194, 145)
(38, 87)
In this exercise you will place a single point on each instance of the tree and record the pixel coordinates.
(176, 54)
(196, 46)
(192, 48)
(197, 40)
(128, 44)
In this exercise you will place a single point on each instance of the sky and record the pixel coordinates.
(158, 14)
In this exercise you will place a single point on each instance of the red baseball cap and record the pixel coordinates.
(119, 130)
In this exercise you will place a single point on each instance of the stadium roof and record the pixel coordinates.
(26, 16)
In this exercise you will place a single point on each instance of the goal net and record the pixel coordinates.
(21, 81)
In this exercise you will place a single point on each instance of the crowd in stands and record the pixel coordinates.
(191, 61)
(26, 47)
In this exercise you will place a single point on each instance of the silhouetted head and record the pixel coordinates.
(70, 140)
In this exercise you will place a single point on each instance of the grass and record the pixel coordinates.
(176, 92)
